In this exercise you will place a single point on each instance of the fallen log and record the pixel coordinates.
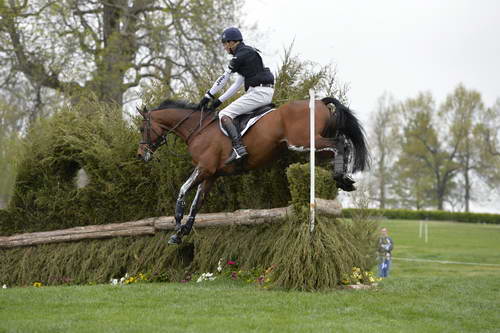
(132, 231)
(239, 217)
(150, 225)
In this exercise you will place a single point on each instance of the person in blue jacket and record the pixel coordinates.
(385, 246)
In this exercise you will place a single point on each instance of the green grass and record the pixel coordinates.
(417, 297)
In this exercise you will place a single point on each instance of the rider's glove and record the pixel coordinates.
(215, 104)
(204, 101)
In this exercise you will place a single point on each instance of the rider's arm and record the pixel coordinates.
(233, 89)
(221, 81)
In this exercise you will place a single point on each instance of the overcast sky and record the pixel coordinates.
(402, 47)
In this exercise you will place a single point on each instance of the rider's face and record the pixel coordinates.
(229, 46)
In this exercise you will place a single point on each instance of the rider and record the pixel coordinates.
(259, 87)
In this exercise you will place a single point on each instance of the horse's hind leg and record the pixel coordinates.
(202, 191)
(338, 149)
(340, 162)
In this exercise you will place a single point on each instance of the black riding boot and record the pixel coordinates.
(239, 149)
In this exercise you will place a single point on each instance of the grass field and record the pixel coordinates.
(417, 297)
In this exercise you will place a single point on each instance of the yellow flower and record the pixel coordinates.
(37, 284)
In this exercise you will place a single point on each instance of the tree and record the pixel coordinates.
(384, 135)
(10, 126)
(463, 111)
(487, 134)
(427, 152)
(108, 47)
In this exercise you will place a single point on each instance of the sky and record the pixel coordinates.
(399, 47)
(388, 46)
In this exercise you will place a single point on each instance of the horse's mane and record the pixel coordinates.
(169, 104)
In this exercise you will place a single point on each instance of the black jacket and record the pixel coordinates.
(248, 63)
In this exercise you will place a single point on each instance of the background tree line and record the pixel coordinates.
(429, 156)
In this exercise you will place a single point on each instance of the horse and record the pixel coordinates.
(338, 134)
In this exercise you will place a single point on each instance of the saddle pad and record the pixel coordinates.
(252, 121)
(244, 122)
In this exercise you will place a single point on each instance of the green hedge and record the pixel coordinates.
(435, 215)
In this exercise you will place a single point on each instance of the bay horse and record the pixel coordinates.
(339, 135)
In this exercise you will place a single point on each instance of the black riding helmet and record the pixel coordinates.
(231, 34)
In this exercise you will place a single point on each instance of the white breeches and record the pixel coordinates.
(252, 99)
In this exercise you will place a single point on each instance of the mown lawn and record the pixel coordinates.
(417, 297)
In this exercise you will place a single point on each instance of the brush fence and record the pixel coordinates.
(152, 225)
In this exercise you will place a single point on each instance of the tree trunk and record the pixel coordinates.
(382, 181)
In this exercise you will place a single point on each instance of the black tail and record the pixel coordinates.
(346, 123)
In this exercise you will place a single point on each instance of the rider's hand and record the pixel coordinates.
(204, 101)
(215, 104)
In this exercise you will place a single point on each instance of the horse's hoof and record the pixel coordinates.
(348, 188)
(345, 183)
(174, 240)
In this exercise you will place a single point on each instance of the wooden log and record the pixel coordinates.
(249, 216)
(84, 229)
(150, 225)
(328, 207)
(132, 231)
(239, 217)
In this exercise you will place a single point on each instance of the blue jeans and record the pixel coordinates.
(383, 267)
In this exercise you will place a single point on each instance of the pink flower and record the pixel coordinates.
(230, 262)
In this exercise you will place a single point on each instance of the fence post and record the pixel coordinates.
(312, 162)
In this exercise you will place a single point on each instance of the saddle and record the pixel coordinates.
(242, 122)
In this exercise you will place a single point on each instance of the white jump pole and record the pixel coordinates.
(426, 232)
(312, 162)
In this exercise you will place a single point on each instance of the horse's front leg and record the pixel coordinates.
(199, 198)
(193, 180)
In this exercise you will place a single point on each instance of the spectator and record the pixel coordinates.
(385, 246)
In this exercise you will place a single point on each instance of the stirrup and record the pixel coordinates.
(237, 154)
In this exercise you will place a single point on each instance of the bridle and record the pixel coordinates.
(147, 141)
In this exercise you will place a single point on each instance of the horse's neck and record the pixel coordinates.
(179, 121)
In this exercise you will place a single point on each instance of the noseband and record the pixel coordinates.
(149, 144)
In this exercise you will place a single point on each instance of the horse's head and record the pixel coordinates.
(152, 136)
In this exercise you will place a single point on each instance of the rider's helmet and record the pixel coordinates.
(231, 34)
